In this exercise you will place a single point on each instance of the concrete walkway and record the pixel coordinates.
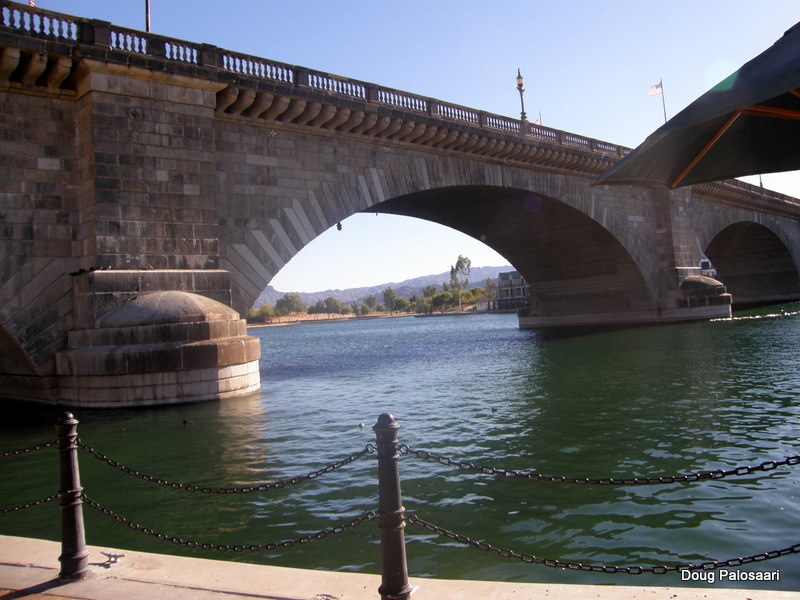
(29, 569)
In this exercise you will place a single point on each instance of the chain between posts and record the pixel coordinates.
(770, 465)
(19, 452)
(576, 566)
(383, 513)
(35, 448)
(352, 524)
(28, 505)
(368, 449)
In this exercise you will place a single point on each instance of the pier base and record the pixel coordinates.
(156, 348)
(696, 298)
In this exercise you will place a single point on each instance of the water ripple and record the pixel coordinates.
(647, 402)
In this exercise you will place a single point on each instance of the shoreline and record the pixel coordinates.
(305, 319)
(324, 318)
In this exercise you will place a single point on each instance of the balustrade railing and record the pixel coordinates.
(502, 123)
(32, 22)
(337, 85)
(255, 67)
(402, 100)
(458, 113)
(128, 41)
(21, 20)
(544, 133)
(36, 22)
(576, 141)
(180, 52)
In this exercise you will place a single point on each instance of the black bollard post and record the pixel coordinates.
(74, 554)
(391, 521)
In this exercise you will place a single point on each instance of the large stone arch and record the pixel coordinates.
(573, 264)
(754, 264)
(281, 191)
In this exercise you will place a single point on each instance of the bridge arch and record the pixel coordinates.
(572, 263)
(754, 263)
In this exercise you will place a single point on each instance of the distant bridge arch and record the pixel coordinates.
(755, 263)
(571, 261)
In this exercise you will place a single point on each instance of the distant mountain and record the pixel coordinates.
(409, 287)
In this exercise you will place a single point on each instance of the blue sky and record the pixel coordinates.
(587, 65)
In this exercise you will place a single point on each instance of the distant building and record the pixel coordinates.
(512, 292)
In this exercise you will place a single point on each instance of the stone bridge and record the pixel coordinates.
(153, 187)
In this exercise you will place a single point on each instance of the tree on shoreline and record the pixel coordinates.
(458, 276)
(265, 314)
(454, 294)
(288, 304)
(389, 298)
(330, 305)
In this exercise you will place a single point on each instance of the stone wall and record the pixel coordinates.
(127, 174)
(149, 198)
(109, 198)
(39, 218)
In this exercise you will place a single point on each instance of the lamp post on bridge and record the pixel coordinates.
(524, 119)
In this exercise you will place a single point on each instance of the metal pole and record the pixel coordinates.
(147, 15)
(523, 117)
(391, 521)
(74, 554)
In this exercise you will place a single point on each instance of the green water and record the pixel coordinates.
(646, 402)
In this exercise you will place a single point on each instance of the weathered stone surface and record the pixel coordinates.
(157, 345)
(166, 307)
(134, 174)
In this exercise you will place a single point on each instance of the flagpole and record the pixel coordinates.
(147, 15)
(663, 102)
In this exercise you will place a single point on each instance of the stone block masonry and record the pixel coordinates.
(107, 201)
(145, 183)
(159, 348)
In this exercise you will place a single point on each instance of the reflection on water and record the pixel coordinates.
(645, 402)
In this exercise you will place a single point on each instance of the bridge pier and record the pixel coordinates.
(691, 297)
(528, 319)
(158, 345)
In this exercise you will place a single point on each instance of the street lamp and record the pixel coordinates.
(520, 82)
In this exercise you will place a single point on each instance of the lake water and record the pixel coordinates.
(646, 402)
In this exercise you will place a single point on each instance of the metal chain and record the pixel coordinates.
(576, 566)
(368, 449)
(41, 446)
(691, 477)
(28, 505)
(352, 524)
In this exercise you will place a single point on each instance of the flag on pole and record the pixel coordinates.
(655, 90)
(658, 90)
(32, 3)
